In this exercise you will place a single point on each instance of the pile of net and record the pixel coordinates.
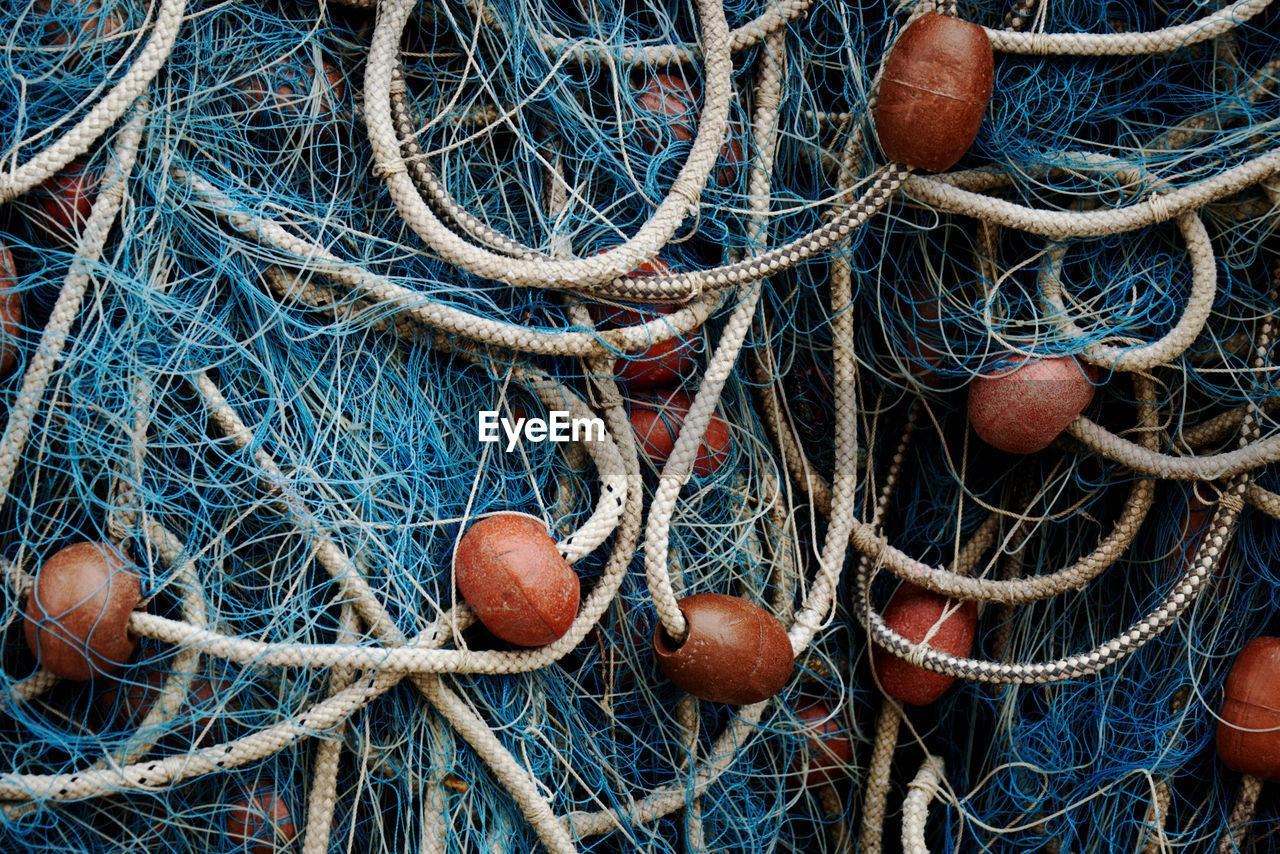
(268, 266)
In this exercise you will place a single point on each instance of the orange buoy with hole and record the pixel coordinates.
(1249, 725)
(77, 618)
(934, 92)
(260, 822)
(657, 421)
(828, 753)
(1024, 408)
(917, 614)
(735, 652)
(669, 96)
(10, 311)
(510, 571)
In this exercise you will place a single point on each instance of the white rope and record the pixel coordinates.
(915, 807)
(957, 193)
(418, 307)
(679, 464)
(105, 113)
(66, 310)
(579, 273)
(1128, 44)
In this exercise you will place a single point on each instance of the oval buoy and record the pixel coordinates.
(77, 618)
(735, 651)
(1022, 410)
(922, 615)
(935, 90)
(511, 572)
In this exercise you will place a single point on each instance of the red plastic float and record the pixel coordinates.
(671, 96)
(1249, 728)
(1195, 527)
(662, 363)
(1025, 408)
(10, 311)
(828, 754)
(935, 90)
(921, 359)
(279, 95)
(77, 619)
(94, 23)
(509, 570)
(260, 823)
(126, 705)
(917, 614)
(735, 652)
(657, 421)
(65, 202)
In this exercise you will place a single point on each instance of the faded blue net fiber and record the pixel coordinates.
(369, 419)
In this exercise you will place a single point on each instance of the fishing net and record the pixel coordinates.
(271, 259)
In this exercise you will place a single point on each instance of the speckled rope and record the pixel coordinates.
(433, 190)
(1188, 588)
(681, 286)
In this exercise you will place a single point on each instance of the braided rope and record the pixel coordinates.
(1204, 279)
(414, 306)
(876, 794)
(1128, 44)
(1242, 810)
(679, 465)
(105, 113)
(48, 352)
(923, 788)
(963, 193)
(582, 273)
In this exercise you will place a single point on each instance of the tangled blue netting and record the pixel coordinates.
(374, 432)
